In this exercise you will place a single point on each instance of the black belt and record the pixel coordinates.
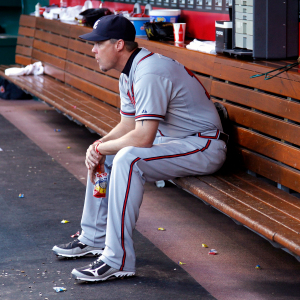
(224, 137)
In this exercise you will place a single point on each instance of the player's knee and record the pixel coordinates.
(125, 155)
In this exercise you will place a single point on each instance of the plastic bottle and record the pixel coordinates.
(37, 10)
(101, 184)
(137, 8)
(147, 10)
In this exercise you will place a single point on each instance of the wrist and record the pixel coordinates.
(97, 142)
(96, 145)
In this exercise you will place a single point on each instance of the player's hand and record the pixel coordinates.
(92, 171)
(92, 158)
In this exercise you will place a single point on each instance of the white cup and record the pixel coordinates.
(179, 32)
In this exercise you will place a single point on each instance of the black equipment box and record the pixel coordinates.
(223, 36)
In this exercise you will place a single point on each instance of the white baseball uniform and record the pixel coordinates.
(187, 143)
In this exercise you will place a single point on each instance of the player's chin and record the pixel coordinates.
(103, 69)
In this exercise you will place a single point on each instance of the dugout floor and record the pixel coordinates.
(47, 166)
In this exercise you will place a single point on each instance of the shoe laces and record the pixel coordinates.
(74, 242)
(95, 264)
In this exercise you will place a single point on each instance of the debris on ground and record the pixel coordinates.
(258, 267)
(64, 221)
(204, 246)
(59, 289)
(161, 229)
(213, 252)
(21, 195)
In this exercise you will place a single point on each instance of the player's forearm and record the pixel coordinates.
(120, 130)
(115, 133)
(130, 139)
(142, 136)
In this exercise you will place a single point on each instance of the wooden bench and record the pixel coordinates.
(264, 121)
(70, 83)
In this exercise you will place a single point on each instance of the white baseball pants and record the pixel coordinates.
(109, 222)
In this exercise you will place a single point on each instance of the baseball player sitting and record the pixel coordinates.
(169, 128)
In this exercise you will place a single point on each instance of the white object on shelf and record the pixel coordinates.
(87, 4)
(206, 46)
(37, 10)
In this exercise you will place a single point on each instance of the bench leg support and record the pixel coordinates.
(282, 187)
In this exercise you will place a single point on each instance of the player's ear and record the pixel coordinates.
(120, 44)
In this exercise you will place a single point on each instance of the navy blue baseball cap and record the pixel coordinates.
(111, 27)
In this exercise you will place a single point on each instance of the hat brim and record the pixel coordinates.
(93, 37)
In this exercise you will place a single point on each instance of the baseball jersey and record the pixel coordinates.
(159, 88)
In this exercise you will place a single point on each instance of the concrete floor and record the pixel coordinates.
(188, 222)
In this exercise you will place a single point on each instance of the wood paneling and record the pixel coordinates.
(81, 59)
(26, 31)
(81, 47)
(93, 90)
(266, 146)
(277, 85)
(263, 123)
(44, 57)
(26, 51)
(54, 72)
(28, 21)
(271, 169)
(265, 102)
(93, 77)
(206, 82)
(25, 41)
(90, 63)
(261, 67)
(76, 31)
(22, 60)
(52, 38)
(53, 26)
(51, 49)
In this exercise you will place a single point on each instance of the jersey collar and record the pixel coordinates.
(128, 65)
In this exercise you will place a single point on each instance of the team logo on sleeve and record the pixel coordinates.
(131, 97)
(132, 100)
(144, 111)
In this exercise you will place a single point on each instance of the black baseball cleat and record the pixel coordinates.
(98, 271)
(76, 249)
